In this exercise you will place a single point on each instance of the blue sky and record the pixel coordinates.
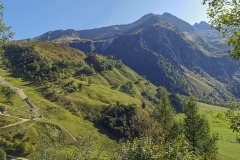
(30, 18)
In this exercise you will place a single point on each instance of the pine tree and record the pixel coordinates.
(164, 113)
(197, 132)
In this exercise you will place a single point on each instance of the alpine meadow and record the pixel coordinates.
(151, 88)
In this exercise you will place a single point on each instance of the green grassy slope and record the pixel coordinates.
(70, 110)
(101, 91)
(206, 87)
(64, 109)
(48, 128)
(227, 138)
(228, 149)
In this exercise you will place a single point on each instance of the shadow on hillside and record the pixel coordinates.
(16, 74)
(105, 132)
(78, 73)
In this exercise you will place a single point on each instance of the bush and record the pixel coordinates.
(118, 121)
(2, 109)
(99, 64)
(146, 149)
(2, 154)
(88, 71)
(7, 92)
(150, 97)
(127, 88)
(129, 122)
(17, 145)
(140, 148)
(178, 101)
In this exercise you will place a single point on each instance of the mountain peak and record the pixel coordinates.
(202, 24)
(168, 14)
(145, 18)
(179, 23)
(148, 15)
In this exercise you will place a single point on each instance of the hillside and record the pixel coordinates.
(67, 89)
(48, 135)
(227, 148)
(211, 35)
(165, 49)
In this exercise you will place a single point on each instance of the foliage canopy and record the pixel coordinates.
(225, 16)
(5, 31)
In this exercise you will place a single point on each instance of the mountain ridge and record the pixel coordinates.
(154, 42)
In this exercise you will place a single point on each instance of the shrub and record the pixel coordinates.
(2, 109)
(99, 64)
(150, 97)
(118, 120)
(7, 92)
(2, 154)
(127, 88)
(146, 149)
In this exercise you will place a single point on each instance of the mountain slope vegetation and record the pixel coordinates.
(62, 72)
(69, 90)
(164, 48)
(83, 103)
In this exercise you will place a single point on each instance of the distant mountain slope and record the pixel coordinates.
(211, 35)
(182, 25)
(154, 53)
(165, 48)
(98, 33)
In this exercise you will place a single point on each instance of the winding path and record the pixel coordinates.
(5, 83)
(18, 158)
(73, 138)
(14, 124)
(64, 129)
(21, 94)
(25, 98)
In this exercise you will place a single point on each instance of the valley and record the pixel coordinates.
(154, 88)
(67, 114)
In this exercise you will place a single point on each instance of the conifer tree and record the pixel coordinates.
(164, 113)
(197, 132)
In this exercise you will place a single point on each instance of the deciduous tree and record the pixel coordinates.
(5, 31)
(225, 16)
